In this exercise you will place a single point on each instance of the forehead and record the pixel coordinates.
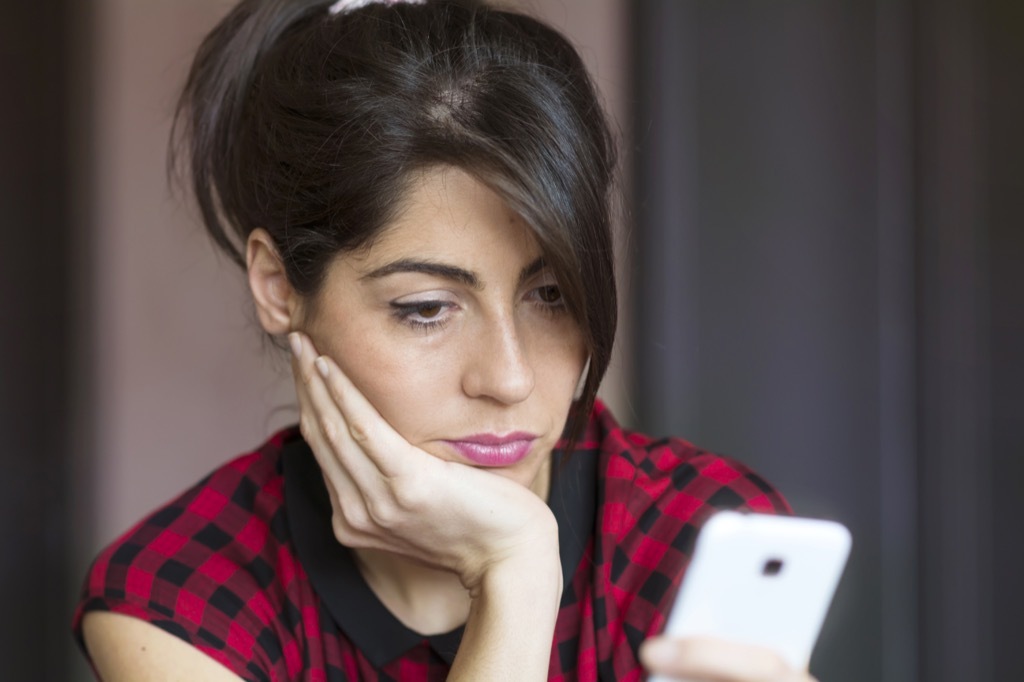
(449, 215)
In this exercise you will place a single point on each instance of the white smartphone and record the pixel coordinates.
(761, 579)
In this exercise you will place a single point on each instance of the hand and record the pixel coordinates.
(389, 495)
(704, 659)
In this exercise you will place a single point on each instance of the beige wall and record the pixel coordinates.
(181, 377)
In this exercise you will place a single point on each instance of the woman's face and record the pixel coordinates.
(455, 330)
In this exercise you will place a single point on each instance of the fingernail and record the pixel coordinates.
(296, 341)
(321, 366)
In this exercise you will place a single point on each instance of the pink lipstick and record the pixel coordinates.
(490, 450)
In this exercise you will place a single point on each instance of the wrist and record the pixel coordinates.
(511, 621)
(536, 573)
(532, 563)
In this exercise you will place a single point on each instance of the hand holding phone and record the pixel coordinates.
(763, 580)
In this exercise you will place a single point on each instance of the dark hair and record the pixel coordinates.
(311, 125)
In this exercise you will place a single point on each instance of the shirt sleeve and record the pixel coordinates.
(195, 568)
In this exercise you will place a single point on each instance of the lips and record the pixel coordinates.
(492, 450)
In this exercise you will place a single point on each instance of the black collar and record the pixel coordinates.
(355, 608)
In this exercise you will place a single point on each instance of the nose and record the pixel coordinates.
(498, 366)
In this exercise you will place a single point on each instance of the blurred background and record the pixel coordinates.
(822, 267)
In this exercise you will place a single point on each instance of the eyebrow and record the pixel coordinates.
(445, 271)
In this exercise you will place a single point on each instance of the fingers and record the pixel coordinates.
(353, 481)
(346, 418)
(365, 426)
(325, 428)
(715, 660)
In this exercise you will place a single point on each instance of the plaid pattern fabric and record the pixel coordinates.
(218, 567)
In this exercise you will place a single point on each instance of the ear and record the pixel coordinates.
(276, 300)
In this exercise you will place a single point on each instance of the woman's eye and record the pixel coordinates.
(422, 315)
(429, 310)
(549, 294)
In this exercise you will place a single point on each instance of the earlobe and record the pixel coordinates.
(272, 292)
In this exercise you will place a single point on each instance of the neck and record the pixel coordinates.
(426, 600)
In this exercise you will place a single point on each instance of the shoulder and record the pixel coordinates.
(202, 566)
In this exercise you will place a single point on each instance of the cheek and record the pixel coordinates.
(558, 358)
(416, 384)
(404, 381)
(407, 390)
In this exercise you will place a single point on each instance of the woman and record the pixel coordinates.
(419, 193)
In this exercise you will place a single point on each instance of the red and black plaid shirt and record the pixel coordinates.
(244, 566)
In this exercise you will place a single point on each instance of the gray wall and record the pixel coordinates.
(36, 527)
(827, 201)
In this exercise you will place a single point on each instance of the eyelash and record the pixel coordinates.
(406, 312)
